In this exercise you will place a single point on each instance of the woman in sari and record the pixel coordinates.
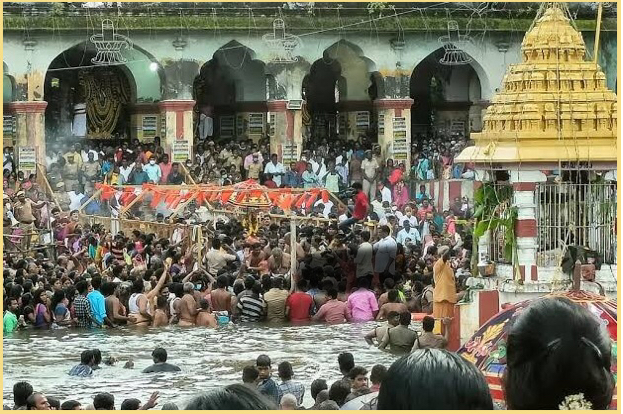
(400, 194)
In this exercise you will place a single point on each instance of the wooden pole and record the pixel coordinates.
(187, 173)
(44, 179)
(577, 275)
(597, 33)
(292, 249)
(129, 206)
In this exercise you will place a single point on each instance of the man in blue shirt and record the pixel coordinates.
(153, 170)
(266, 385)
(98, 303)
(85, 368)
(138, 176)
(93, 208)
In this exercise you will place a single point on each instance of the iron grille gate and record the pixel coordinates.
(580, 214)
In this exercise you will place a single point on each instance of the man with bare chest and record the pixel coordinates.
(394, 304)
(188, 306)
(220, 297)
(205, 317)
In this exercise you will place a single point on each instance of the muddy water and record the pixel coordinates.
(208, 358)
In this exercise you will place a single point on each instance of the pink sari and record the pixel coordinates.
(400, 195)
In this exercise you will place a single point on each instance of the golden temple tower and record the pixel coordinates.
(554, 106)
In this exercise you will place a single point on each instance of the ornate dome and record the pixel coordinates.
(553, 106)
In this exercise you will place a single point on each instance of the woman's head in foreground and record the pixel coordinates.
(434, 379)
(557, 348)
(231, 397)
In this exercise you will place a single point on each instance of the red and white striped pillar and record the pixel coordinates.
(286, 130)
(524, 198)
(178, 115)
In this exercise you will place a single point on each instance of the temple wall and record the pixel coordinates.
(491, 56)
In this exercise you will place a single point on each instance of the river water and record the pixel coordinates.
(208, 358)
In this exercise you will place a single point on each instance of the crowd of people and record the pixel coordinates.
(547, 369)
(74, 170)
(386, 255)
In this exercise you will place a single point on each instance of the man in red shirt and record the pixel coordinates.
(299, 303)
(360, 211)
(269, 183)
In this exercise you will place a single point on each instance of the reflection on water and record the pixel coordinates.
(208, 358)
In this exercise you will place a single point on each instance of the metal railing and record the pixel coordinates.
(575, 214)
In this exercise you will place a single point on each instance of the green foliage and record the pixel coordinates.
(489, 216)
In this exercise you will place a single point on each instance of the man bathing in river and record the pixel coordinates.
(159, 356)
(188, 306)
(205, 317)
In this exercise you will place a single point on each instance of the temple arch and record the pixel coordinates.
(447, 99)
(73, 85)
(340, 84)
(229, 87)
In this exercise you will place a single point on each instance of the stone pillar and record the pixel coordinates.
(395, 113)
(30, 126)
(178, 119)
(524, 198)
(286, 128)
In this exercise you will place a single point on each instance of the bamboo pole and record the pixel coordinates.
(129, 206)
(181, 206)
(192, 181)
(44, 179)
(597, 33)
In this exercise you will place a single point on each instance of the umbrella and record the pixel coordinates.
(487, 347)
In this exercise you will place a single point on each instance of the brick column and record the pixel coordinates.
(178, 116)
(386, 110)
(30, 126)
(524, 186)
(286, 127)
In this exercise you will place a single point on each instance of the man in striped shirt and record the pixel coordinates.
(251, 307)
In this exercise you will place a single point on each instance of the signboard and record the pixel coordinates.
(8, 128)
(27, 160)
(289, 153)
(362, 121)
(181, 150)
(256, 124)
(271, 120)
(227, 127)
(150, 126)
(400, 149)
(342, 124)
(163, 124)
(240, 126)
(381, 126)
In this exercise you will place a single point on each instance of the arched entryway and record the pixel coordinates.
(8, 96)
(445, 97)
(340, 84)
(231, 93)
(88, 101)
